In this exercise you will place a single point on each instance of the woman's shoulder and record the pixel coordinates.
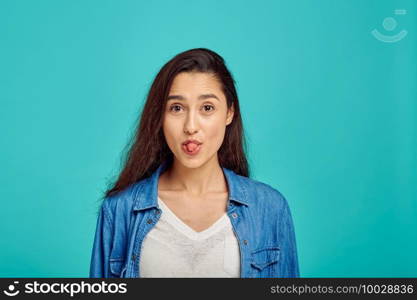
(259, 192)
(125, 199)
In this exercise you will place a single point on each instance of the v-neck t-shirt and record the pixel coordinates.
(173, 249)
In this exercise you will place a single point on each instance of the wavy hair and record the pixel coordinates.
(148, 149)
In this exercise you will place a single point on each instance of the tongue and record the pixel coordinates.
(191, 147)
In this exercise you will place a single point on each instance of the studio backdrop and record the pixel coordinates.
(328, 93)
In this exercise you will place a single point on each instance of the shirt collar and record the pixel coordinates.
(146, 195)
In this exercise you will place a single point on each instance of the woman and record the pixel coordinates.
(184, 205)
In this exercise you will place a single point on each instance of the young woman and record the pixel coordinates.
(184, 205)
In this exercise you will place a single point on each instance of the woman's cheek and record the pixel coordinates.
(169, 132)
(217, 136)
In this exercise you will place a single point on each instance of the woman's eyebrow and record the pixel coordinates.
(201, 97)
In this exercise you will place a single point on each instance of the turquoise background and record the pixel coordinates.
(330, 114)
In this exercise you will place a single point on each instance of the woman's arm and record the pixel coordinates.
(99, 266)
(288, 256)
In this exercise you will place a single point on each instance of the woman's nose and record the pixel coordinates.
(190, 126)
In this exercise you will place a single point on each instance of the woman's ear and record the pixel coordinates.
(230, 114)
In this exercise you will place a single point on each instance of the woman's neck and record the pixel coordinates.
(208, 178)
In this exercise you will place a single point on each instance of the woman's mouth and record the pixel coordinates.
(191, 148)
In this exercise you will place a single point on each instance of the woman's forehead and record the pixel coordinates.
(195, 85)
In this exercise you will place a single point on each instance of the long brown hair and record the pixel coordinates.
(150, 149)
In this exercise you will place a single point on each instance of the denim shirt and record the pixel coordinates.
(259, 214)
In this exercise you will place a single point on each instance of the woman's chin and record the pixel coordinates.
(191, 163)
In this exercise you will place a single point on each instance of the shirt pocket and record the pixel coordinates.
(264, 261)
(117, 267)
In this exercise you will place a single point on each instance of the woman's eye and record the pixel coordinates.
(208, 108)
(175, 108)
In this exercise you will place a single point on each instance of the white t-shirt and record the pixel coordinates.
(173, 249)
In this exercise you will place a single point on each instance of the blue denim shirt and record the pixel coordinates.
(259, 214)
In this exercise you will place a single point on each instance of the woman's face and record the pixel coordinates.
(196, 109)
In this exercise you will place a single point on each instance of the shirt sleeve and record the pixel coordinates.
(99, 265)
(288, 256)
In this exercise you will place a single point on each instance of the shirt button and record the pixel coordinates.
(149, 221)
(245, 242)
(157, 212)
(234, 215)
(133, 257)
